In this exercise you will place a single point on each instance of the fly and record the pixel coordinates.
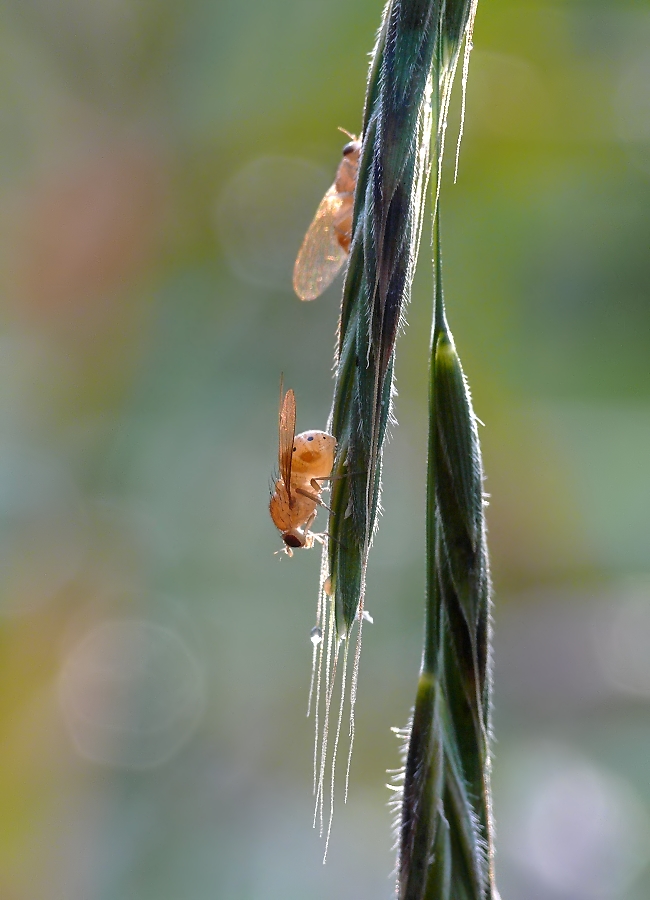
(305, 461)
(327, 242)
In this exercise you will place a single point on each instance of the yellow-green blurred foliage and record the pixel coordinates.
(159, 163)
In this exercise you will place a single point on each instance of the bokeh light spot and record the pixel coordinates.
(262, 215)
(132, 693)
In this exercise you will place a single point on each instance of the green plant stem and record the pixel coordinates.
(446, 827)
(446, 830)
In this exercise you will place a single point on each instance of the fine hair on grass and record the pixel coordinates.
(442, 800)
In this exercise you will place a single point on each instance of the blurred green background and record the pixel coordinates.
(159, 163)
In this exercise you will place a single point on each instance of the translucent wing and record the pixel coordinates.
(287, 433)
(321, 256)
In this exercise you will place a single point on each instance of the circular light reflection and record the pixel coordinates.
(132, 693)
(578, 829)
(262, 216)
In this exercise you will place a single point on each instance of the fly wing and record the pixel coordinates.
(287, 431)
(321, 256)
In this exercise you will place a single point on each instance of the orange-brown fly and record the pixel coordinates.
(327, 242)
(305, 461)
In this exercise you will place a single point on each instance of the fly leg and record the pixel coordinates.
(309, 535)
(317, 484)
(315, 496)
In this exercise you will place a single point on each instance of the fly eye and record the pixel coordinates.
(348, 149)
(294, 449)
(310, 438)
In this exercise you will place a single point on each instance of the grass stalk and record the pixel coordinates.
(445, 821)
(445, 826)
(388, 210)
